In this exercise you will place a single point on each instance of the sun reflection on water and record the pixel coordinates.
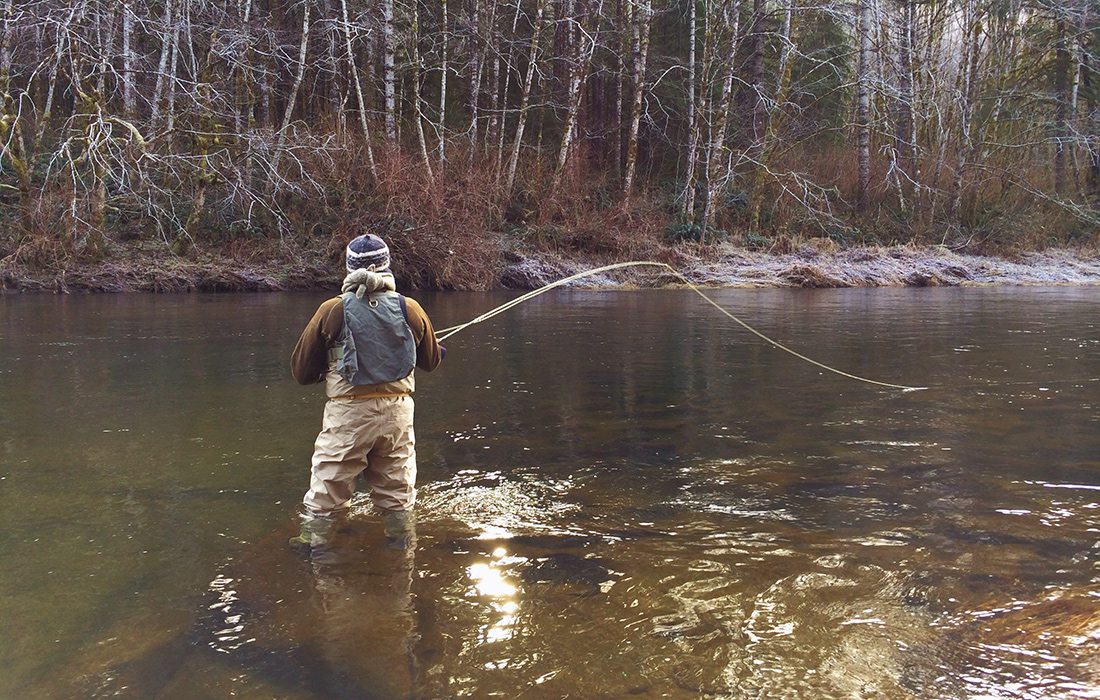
(489, 581)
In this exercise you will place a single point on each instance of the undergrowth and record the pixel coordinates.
(459, 226)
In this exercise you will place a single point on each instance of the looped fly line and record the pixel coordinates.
(448, 332)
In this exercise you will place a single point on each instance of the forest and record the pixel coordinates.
(271, 130)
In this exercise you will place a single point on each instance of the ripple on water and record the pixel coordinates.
(497, 504)
(1043, 648)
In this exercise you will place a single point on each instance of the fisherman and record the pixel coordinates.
(364, 345)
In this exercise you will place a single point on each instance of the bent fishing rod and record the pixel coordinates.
(448, 332)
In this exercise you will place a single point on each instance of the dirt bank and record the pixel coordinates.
(157, 270)
(811, 267)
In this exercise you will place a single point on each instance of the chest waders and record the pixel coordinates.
(377, 345)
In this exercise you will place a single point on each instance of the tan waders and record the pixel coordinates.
(372, 436)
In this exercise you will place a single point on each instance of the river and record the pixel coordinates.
(622, 493)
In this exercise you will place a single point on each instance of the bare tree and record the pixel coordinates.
(292, 98)
(203, 116)
(581, 59)
(863, 107)
(359, 100)
(641, 19)
(389, 77)
(525, 99)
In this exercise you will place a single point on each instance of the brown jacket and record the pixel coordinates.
(310, 363)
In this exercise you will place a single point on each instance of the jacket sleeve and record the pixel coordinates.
(429, 353)
(309, 361)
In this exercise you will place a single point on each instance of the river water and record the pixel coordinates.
(622, 494)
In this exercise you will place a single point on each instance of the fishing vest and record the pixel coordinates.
(378, 345)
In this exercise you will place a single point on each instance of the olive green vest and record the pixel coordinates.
(378, 345)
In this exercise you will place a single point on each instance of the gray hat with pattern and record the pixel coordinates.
(368, 251)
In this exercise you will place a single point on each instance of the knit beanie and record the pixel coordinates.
(366, 251)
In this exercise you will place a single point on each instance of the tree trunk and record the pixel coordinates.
(477, 64)
(1091, 126)
(51, 90)
(494, 129)
(1061, 101)
(691, 64)
(773, 118)
(5, 47)
(417, 72)
(170, 117)
(443, 87)
(12, 142)
(292, 98)
(359, 101)
(905, 126)
(1092, 130)
(640, 53)
(756, 78)
(582, 58)
(863, 108)
(127, 59)
(620, 82)
(337, 92)
(167, 39)
(106, 46)
(699, 112)
(971, 31)
(389, 82)
(525, 97)
(718, 135)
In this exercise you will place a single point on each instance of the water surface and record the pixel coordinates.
(622, 493)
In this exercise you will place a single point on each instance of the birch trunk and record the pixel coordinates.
(774, 118)
(905, 128)
(389, 81)
(620, 81)
(417, 71)
(359, 101)
(1061, 101)
(292, 98)
(640, 52)
(525, 97)
(493, 129)
(691, 63)
(718, 135)
(581, 62)
(477, 63)
(173, 62)
(337, 92)
(5, 46)
(441, 128)
(971, 31)
(162, 64)
(756, 77)
(1092, 129)
(51, 89)
(699, 112)
(127, 58)
(501, 100)
(243, 114)
(12, 142)
(863, 108)
(106, 45)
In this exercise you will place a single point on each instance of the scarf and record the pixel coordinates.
(366, 281)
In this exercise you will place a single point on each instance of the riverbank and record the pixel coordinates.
(813, 264)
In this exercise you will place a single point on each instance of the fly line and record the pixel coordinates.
(448, 332)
